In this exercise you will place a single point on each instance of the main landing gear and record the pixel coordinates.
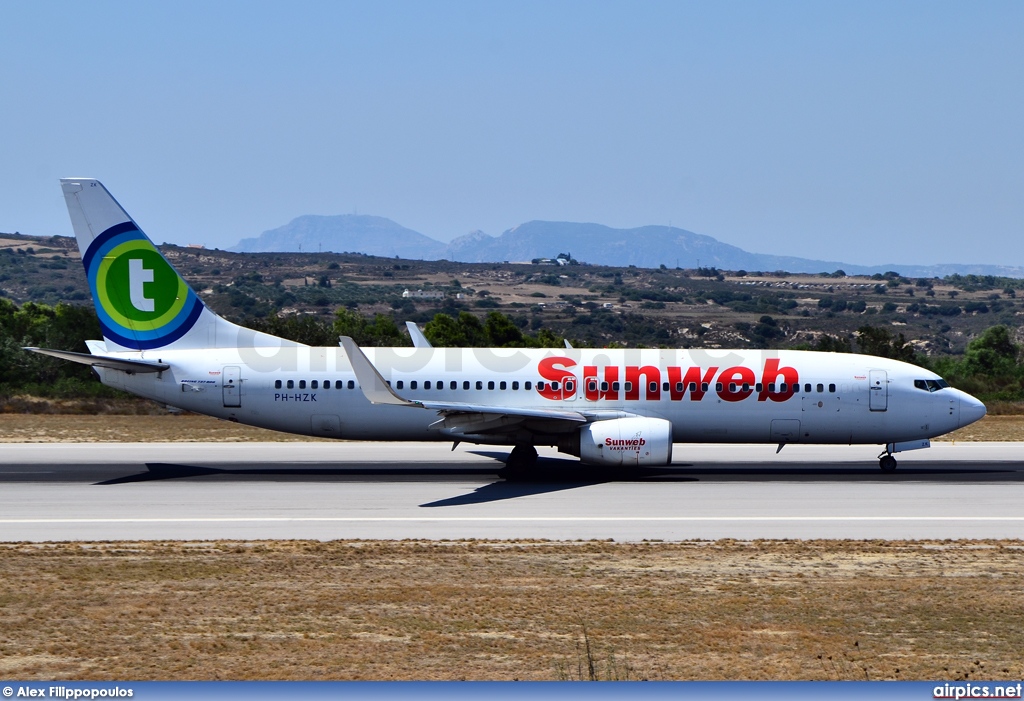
(886, 461)
(523, 458)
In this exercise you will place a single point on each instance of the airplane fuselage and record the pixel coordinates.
(736, 396)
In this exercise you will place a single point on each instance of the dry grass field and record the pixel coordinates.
(75, 428)
(523, 610)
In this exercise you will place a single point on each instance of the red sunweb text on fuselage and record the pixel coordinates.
(733, 384)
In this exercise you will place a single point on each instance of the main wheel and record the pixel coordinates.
(522, 457)
(887, 462)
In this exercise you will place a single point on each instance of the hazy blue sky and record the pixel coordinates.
(866, 132)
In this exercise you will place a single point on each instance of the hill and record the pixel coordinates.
(644, 247)
(589, 304)
(375, 236)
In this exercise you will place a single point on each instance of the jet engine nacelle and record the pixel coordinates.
(632, 441)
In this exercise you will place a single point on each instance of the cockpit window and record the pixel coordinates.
(931, 385)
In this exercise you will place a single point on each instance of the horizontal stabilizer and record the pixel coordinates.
(104, 361)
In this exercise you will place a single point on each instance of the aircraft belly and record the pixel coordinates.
(714, 421)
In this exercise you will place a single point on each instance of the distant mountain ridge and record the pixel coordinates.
(644, 247)
(353, 233)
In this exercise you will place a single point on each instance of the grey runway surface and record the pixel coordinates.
(203, 491)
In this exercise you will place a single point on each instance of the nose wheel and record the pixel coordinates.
(887, 462)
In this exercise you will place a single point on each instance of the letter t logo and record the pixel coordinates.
(137, 278)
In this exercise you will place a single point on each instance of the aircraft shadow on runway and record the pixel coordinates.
(553, 475)
(550, 475)
(558, 474)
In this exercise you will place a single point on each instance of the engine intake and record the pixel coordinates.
(632, 441)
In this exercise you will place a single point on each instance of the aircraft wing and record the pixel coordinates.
(462, 414)
(104, 361)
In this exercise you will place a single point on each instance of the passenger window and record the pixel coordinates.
(399, 384)
(327, 384)
(527, 384)
(832, 389)
(719, 387)
(703, 386)
(479, 384)
(490, 384)
(554, 386)
(665, 386)
(652, 387)
(615, 386)
(807, 388)
(412, 384)
(820, 388)
(771, 387)
(515, 384)
(338, 384)
(591, 386)
(277, 384)
(732, 386)
(629, 386)
(453, 385)
(465, 384)
(784, 387)
(351, 384)
(314, 384)
(503, 385)
(302, 384)
(541, 386)
(757, 387)
(291, 384)
(570, 386)
(604, 386)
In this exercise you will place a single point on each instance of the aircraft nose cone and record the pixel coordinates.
(970, 409)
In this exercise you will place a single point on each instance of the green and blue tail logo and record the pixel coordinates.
(141, 300)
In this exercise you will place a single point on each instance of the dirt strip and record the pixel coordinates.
(504, 610)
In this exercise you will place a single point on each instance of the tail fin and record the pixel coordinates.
(142, 302)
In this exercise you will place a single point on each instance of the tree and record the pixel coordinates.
(502, 331)
(878, 341)
(444, 332)
(832, 344)
(991, 353)
(497, 331)
(301, 328)
(382, 331)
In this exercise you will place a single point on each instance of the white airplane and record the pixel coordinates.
(608, 407)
